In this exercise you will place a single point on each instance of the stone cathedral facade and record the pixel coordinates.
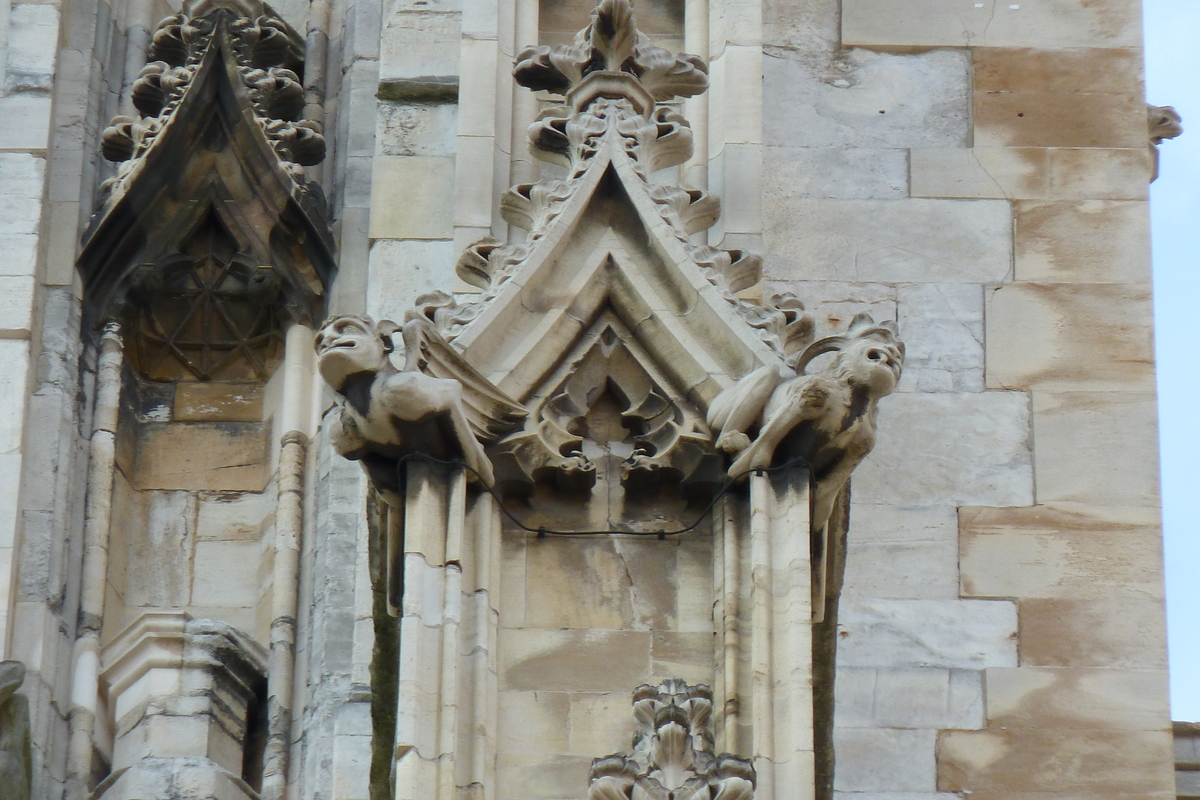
(540, 400)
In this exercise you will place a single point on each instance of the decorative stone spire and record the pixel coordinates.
(267, 56)
(672, 755)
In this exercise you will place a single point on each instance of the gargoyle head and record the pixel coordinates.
(868, 355)
(348, 344)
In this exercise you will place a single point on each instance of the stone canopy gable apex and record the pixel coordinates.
(608, 237)
(216, 147)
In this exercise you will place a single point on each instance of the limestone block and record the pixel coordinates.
(1000, 172)
(225, 573)
(866, 100)
(1106, 632)
(688, 656)
(10, 482)
(233, 517)
(574, 660)
(511, 596)
(412, 197)
(693, 584)
(159, 568)
(879, 759)
(1074, 763)
(599, 723)
(741, 193)
(967, 446)
(206, 456)
(1090, 241)
(14, 369)
(1065, 552)
(182, 778)
(534, 777)
(1087, 699)
(477, 87)
(991, 23)
(420, 43)
(32, 47)
(902, 553)
(20, 253)
(352, 764)
(1070, 336)
(890, 241)
(838, 173)
(1086, 97)
(197, 401)
(21, 189)
(962, 634)
(416, 129)
(24, 121)
(536, 723)
(474, 164)
(909, 697)
(1096, 447)
(611, 582)
(942, 325)
(401, 271)
(1099, 174)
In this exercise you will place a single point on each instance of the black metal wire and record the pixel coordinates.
(543, 531)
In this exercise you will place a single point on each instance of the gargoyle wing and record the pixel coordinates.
(739, 407)
(490, 412)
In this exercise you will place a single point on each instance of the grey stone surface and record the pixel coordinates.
(942, 325)
(32, 45)
(950, 449)
(909, 697)
(881, 759)
(864, 99)
(887, 241)
(902, 553)
(836, 172)
(956, 634)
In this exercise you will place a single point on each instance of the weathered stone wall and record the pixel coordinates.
(976, 173)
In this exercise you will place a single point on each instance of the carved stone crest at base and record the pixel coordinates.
(672, 755)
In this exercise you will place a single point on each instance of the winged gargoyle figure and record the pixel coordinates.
(826, 420)
(438, 404)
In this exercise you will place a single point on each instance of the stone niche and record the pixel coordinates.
(186, 700)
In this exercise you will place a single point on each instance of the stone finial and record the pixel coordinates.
(672, 756)
(16, 764)
(267, 54)
(437, 405)
(825, 421)
(1165, 123)
(610, 47)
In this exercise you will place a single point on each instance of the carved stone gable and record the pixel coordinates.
(210, 237)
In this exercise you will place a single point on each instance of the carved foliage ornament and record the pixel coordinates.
(672, 756)
(268, 55)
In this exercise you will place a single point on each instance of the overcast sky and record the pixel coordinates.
(1172, 78)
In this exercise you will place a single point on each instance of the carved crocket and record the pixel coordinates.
(827, 421)
(387, 413)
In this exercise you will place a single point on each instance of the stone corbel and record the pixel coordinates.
(1165, 123)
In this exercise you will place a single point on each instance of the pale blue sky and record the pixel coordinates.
(1173, 78)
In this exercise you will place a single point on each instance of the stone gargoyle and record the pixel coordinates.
(437, 405)
(827, 421)
(15, 749)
